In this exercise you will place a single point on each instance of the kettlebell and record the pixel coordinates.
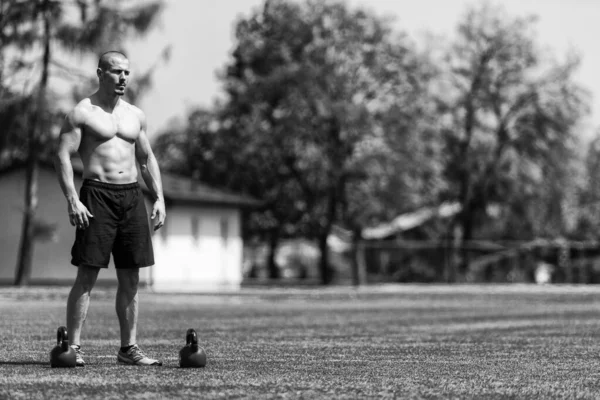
(191, 355)
(62, 355)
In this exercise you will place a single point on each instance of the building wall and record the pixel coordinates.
(198, 249)
(52, 258)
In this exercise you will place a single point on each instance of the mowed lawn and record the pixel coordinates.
(376, 342)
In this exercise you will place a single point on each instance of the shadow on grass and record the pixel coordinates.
(47, 364)
(24, 363)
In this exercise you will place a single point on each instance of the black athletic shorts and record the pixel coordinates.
(120, 226)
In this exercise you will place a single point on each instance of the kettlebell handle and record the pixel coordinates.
(191, 338)
(61, 335)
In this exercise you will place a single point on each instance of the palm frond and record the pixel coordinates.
(106, 25)
(142, 17)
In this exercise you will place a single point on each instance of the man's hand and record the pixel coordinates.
(158, 212)
(79, 215)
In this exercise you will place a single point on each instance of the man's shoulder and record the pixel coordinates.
(134, 110)
(84, 105)
(81, 110)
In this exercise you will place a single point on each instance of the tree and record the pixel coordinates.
(317, 95)
(511, 125)
(42, 26)
(13, 103)
(587, 210)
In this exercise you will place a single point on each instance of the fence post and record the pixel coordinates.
(564, 261)
(359, 273)
(582, 263)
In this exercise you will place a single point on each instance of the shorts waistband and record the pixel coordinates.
(110, 186)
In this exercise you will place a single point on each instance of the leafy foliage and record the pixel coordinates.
(322, 102)
(511, 135)
(332, 117)
(81, 27)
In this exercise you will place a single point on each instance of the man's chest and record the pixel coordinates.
(104, 126)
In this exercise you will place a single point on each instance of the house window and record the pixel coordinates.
(224, 230)
(195, 227)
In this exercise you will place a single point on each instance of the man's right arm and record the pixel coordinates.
(68, 144)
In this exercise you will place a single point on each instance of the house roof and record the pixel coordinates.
(177, 189)
(405, 222)
(186, 190)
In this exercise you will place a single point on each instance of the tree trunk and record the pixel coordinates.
(466, 228)
(326, 275)
(359, 271)
(272, 266)
(26, 247)
(452, 243)
(326, 272)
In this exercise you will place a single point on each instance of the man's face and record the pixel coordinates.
(115, 77)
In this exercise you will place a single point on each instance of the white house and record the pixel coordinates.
(199, 248)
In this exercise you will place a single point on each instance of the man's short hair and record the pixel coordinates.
(103, 61)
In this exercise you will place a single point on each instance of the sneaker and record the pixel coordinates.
(135, 356)
(78, 356)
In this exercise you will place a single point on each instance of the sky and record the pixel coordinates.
(201, 37)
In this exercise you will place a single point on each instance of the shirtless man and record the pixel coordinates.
(110, 136)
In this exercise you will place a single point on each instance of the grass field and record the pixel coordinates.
(383, 342)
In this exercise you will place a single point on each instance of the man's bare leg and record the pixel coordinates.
(127, 305)
(127, 311)
(78, 302)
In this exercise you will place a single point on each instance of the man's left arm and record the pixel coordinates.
(150, 174)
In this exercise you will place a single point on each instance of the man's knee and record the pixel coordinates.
(128, 279)
(86, 277)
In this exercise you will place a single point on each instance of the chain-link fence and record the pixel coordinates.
(542, 261)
